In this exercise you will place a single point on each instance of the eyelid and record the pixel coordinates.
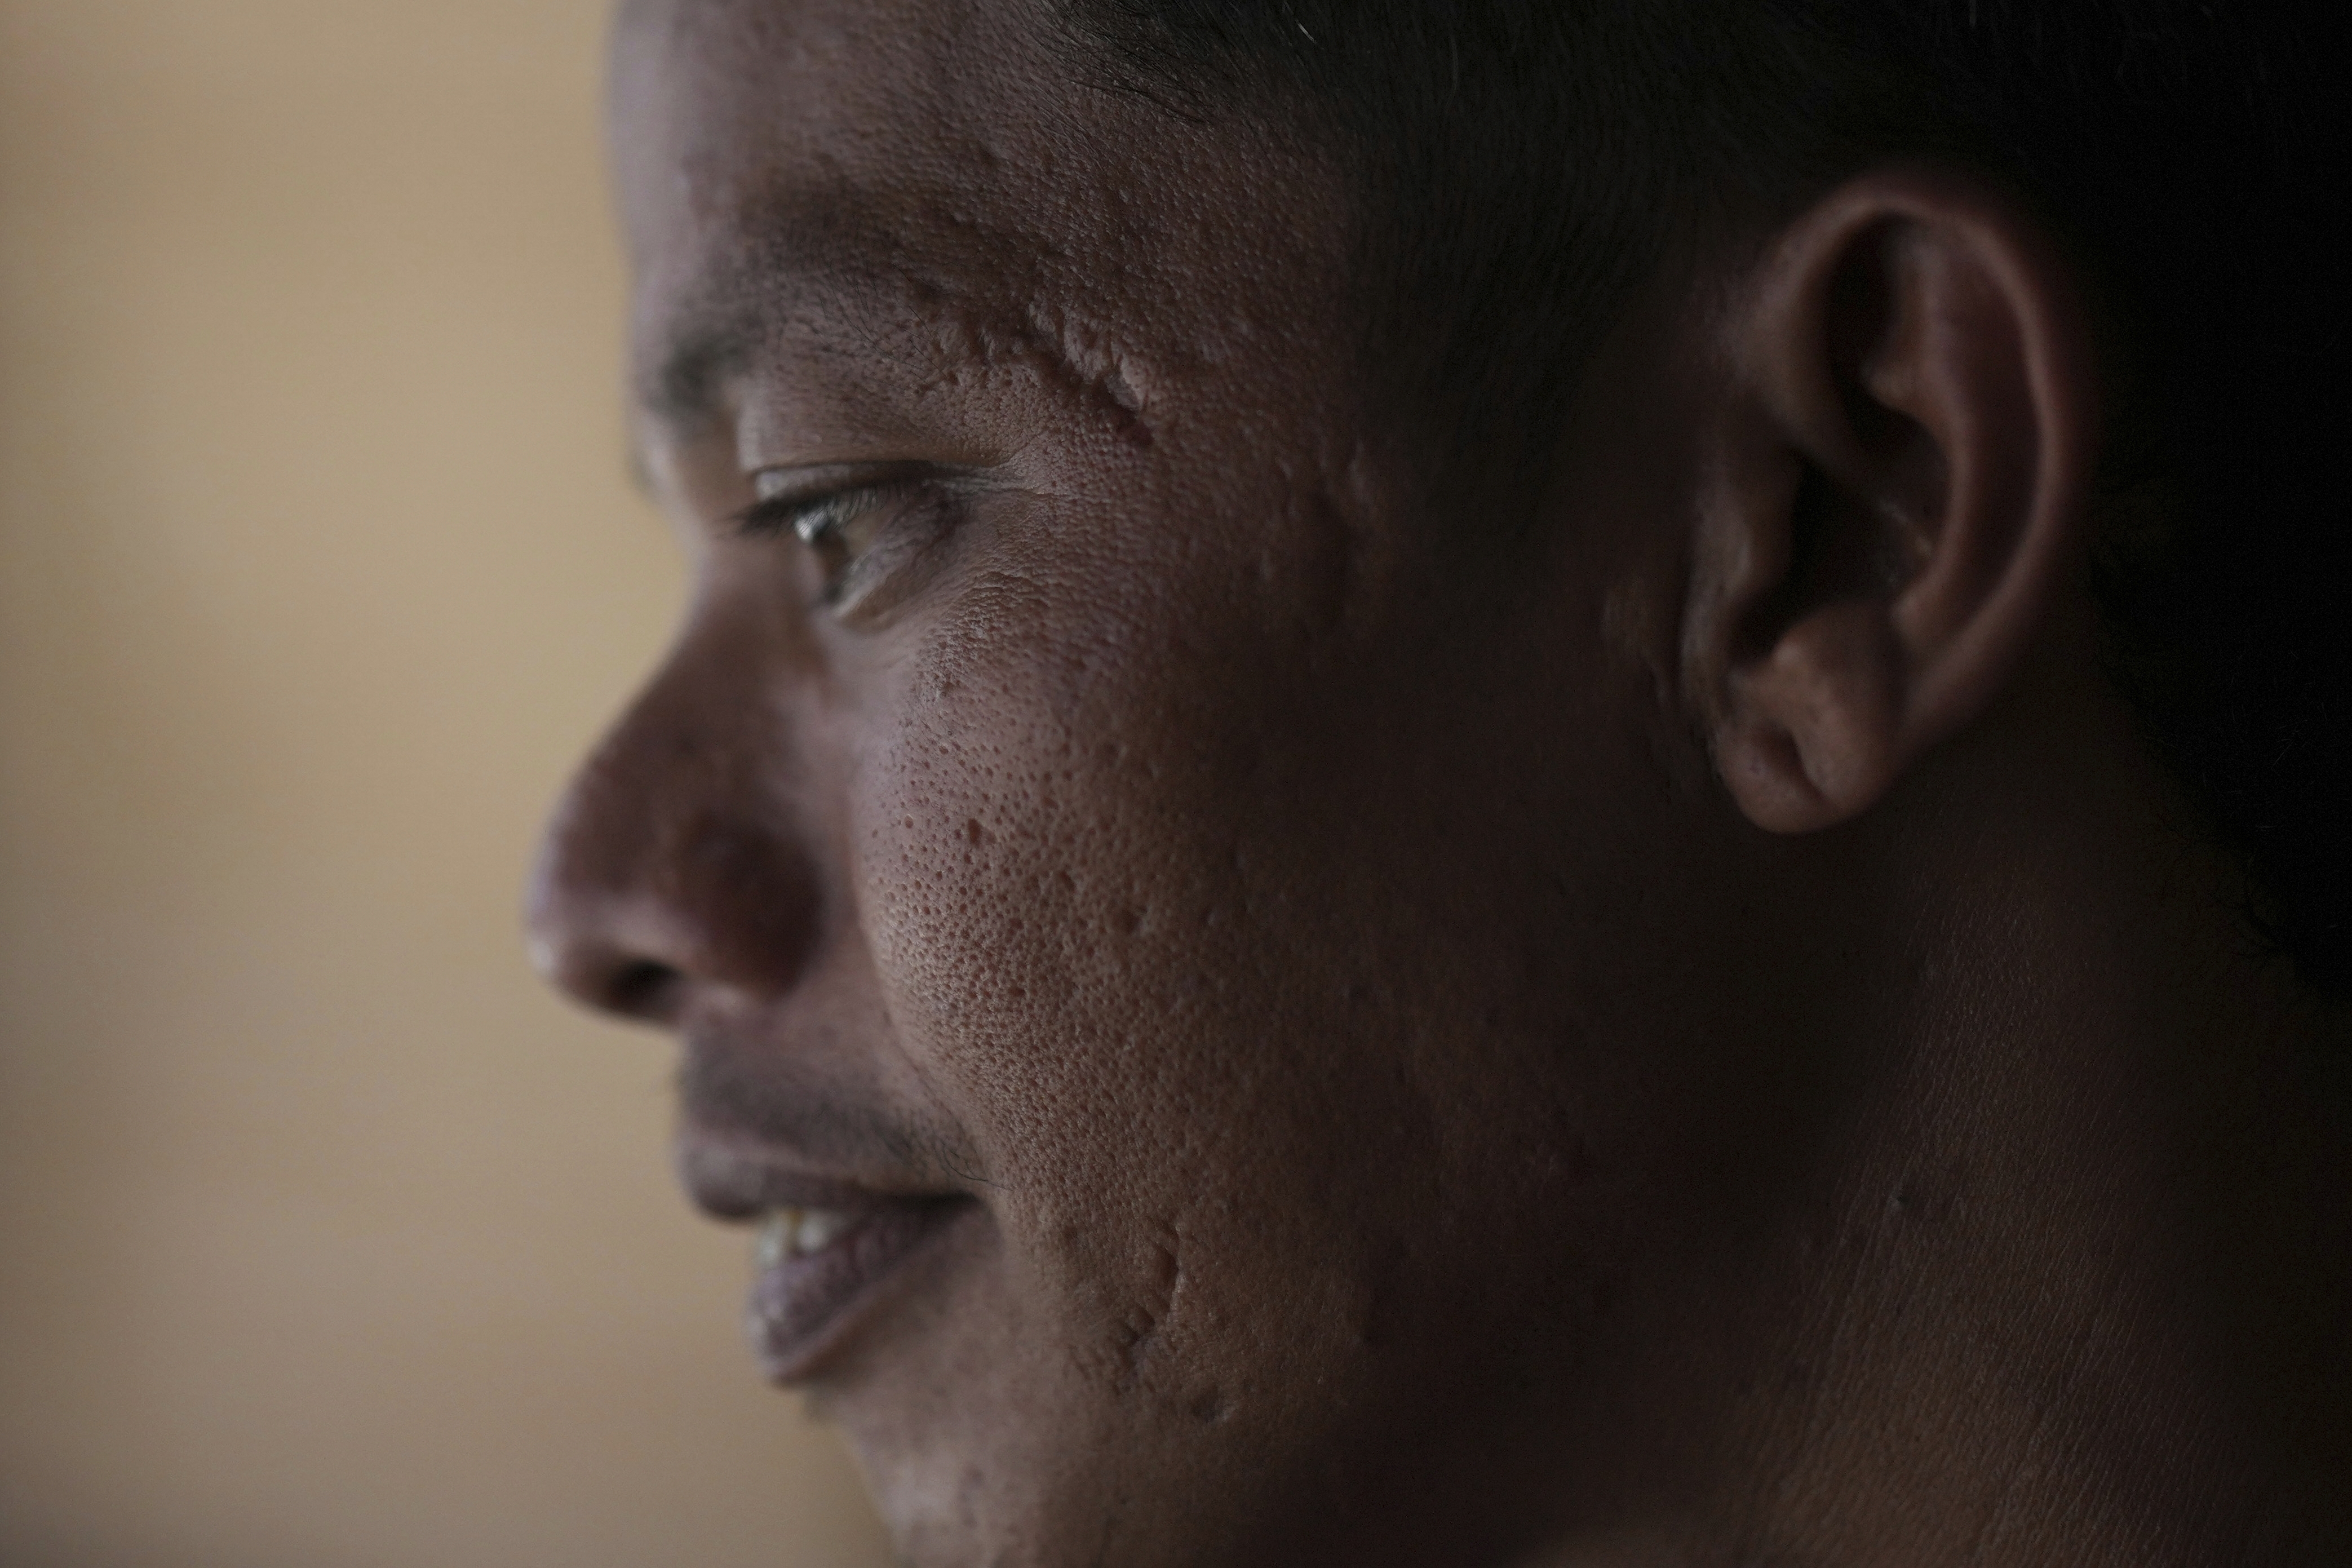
(800, 512)
(786, 495)
(823, 506)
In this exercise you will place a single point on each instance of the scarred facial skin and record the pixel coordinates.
(1170, 842)
(1373, 1095)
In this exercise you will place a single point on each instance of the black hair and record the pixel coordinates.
(1523, 163)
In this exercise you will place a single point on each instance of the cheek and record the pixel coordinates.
(1055, 811)
(1039, 908)
(1082, 932)
(1294, 1069)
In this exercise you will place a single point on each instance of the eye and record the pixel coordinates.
(854, 531)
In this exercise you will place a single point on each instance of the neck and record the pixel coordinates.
(2073, 1283)
(2089, 1243)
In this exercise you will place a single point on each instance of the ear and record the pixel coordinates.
(1894, 486)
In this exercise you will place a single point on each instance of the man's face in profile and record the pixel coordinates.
(1088, 826)
(1290, 974)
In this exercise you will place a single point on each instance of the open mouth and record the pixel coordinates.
(816, 1271)
(831, 1245)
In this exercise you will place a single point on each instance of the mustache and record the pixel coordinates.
(782, 1106)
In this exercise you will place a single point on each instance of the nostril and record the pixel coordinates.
(644, 989)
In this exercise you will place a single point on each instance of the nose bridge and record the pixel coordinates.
(678, 858)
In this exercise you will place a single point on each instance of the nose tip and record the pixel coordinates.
(656, 883)
(577, 931)
(604, 975)
(680, 861)
(607, 922)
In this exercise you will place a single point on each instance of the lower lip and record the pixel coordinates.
(802, 1308)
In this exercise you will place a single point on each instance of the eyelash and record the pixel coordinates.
(818, 521)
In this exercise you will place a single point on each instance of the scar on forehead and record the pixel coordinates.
(1067, 351)
(939, 293)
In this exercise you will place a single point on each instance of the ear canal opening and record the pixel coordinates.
(1812, 525)
(1844, 547)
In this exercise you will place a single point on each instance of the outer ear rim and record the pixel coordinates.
(1955, 633)
(2064, 387)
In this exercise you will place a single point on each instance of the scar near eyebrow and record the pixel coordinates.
(825, 269)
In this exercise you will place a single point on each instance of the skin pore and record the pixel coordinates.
(1695, 1035)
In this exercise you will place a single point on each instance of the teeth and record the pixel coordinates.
(796, 1233)
(775, 1242)
(818, 1228)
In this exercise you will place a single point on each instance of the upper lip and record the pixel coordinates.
(729, 1182)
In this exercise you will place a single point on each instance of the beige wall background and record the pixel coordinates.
(327, 1241)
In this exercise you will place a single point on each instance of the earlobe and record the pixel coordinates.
(1814, 737)
(1896, 482)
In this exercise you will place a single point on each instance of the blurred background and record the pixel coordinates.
(327, 1238)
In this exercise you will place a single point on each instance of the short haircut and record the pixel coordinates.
(1521, 163)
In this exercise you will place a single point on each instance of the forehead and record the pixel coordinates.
(880, 178)
(715, 101)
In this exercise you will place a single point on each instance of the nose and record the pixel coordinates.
(678, 864)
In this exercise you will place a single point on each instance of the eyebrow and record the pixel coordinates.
(821, 266)
(683, 388)
(831, 272)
